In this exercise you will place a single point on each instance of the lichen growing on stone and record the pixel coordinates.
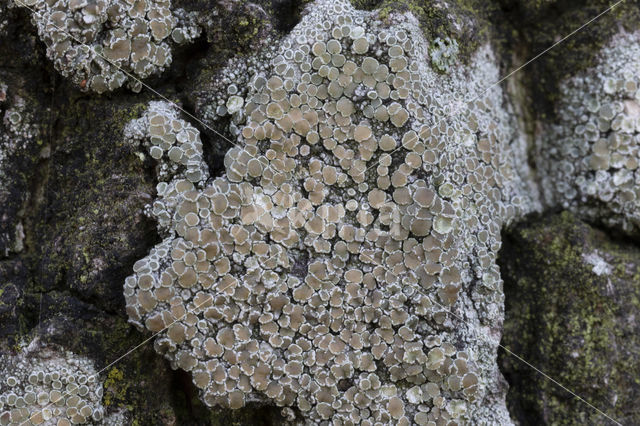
(443, 53)
(44, 385)
(590, 155)
(572, 296)
(18, 132)
(316, 273)
(89, 40)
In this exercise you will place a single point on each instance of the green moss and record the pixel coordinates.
(439, 20)
(122, 117)
(566, 320)
(84, 229)
(115, 388)
(237, 30)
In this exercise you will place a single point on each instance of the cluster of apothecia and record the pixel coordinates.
(317, 272)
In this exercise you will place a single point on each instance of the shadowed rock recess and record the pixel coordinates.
(311, 222)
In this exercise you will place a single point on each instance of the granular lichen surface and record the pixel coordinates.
(356, 209)
(46, 386)
(103, 44)
(589, 156)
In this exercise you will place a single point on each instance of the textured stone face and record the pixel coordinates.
(354, 212)
(3, 19)
(571, 308)
(18, 133)
(43, 386)
(590, 155)
(100, 44)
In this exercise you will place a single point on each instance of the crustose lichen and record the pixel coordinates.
(347, 160)
(97, 43)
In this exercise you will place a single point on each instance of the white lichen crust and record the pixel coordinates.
(443, 53)
(354, 212)
(46, 386)
(3, 19)
(94, 41)
(589, 157)
(18, 131)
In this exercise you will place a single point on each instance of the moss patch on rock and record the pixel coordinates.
(466, 21)
(572, 296)
(80, 192)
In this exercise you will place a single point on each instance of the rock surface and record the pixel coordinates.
(73, 196)
(589, 154)
(572, 302)
(72, 225)
(350, 191)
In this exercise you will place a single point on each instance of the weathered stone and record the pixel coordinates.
(73, 196)
(572, 300)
